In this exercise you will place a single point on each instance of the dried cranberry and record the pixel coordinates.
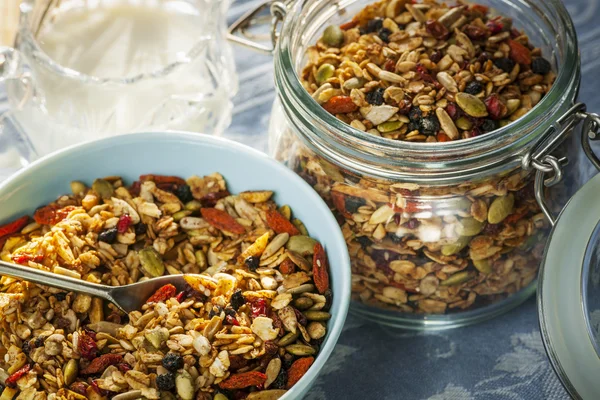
(494, 26)
(181, 296)
(474, 87)
(540, 65)
(495, 107)
(62, 323)
(475, 32)
(374, 25)
(436, 56)
(412, 223)
(87, 346)
(231, 320)
(437, 29)
(424, 73)
(124, 367)
(453, 111)
(389, 65)
(492, 229)
(300, 317)
(123, 224)
(78, 387)
(259, 307)
(97, 389)
(375, 96)
(505, 64)
(404, 107)
(236, 362)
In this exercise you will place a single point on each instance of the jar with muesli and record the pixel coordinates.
(422, 124)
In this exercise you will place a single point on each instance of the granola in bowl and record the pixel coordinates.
(425, 72)
(250, 326)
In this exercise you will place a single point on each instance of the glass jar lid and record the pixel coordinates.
(569, 294)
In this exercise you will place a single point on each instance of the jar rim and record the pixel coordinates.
(489, 151)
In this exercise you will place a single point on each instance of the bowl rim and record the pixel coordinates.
(336, 322)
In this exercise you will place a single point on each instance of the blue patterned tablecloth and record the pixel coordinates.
(501, 359)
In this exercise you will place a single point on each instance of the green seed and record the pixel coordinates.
(70, 372)
(157, 336)
(301, 244)
(193, 205)
(151, 262)
(501, 208)
(271, 394)
(103, 188)
(300, 350)
(78, 188)
(220, 396)
(469, 227)
(300, 226)
(503, 122)
(333, 36)
(389, 126)
(484, 266)
(471, 105)
(456, 247)
(303, 303)
(458, 278)
(325, 72)
(288, 339)
(178, 216)
(464, 123)
(317, 315)
(286, 211)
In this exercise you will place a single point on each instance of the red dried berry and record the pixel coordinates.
(494, 26)
(135, 188)
(99, 364)
(259, 307)
(181, 296)
(14, 226)
(124, 367)
(437, 29)
(87, 346)
(453, 111)
(124, 223)
(389, 65)
(495, 107)
(231, 320)
(210, 199)
(163, 293)
(475, 32)
(11, 381)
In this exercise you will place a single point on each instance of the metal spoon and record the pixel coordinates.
(128, 298)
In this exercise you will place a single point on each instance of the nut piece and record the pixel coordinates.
(263, 328)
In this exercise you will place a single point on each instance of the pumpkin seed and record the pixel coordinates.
(272, 371)
(303, 303)
(277, 243)
(464, 123)
(324, 72)
(301, 244)
(78, 188)
(70, 371)
(286, 211)
(151, 262)
(193, 205)
(103, 188)
(333, 36)
(317, 315)
(501, 208)
(288, 339)
(471, 105)
(300, 226)
(184, 385)
(484, 266)
(458, 278)
(316, 330)
(272, 394)
(512, 105)
(300, 350)
(389, 126)
(456, 247)
(157, 336)
(469, 227)
(179, 215)
(220, 396)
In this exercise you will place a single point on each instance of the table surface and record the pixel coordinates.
(500, 359)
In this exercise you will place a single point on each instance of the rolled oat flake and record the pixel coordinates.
(569, 293)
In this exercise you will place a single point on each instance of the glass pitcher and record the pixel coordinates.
(82, 70)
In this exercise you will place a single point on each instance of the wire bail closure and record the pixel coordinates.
(545, 164)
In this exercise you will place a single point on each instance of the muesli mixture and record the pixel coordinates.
(430, 72)
(248, 327)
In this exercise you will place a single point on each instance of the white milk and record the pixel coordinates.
(131, 66)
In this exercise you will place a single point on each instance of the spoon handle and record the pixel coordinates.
(55, 280)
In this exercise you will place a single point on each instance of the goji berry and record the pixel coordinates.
(11, 381)
(63, 212)
(258, 307)
(135, 188)
(287, 267)
(243, 380)
(45, 215)
(14, 226)
(519, 53)
(442, 137)
(162, 179)
(320, 274)
(162, 294)
(298, 369)
(124, 222)
(221, 220)
(87, 346)
(348, 25)
(279, 224)
(340, 105)
(25, 258)
(511, 219)
(339, 202)
(99, 364)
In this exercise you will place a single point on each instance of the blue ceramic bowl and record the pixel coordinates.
(184, 155)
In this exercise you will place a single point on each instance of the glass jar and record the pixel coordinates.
(440, 234)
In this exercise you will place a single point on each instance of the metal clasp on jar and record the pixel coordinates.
(541, 159)
(253, 19)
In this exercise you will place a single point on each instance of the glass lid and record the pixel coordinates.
(569, 294)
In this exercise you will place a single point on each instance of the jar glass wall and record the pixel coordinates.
(440, 234)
